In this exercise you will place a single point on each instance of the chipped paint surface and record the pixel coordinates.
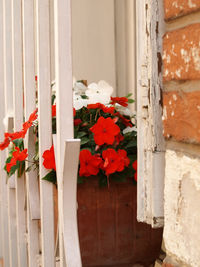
(181, 54)
(177, 8)
(182, 201)
(149, 112)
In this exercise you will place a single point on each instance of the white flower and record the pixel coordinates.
(124, 110)
(79, 102)
(79, 88)
(129, 129)
(100, 92)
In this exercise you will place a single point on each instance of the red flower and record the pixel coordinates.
(124, 160)
(49, 159)
(102, 107)
(17, 156)
(125, 121)
(135, 176)
(5, 143)
(15, 135)
(123, 101)
(118, 139)
(53, 110)
(12, 163)
(135, 165)
(108, 109)
(20, 155)
(89, 164)
(77, 122)
(105, 131)
(95, 106)
(74, 112)
(112, 161)
(30, 121)
(33, 116)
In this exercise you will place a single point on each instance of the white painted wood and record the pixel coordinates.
(33, 202)
(30, 99)
(8, 86)
(70, 228)
(32, 238)
(8, 56)
(12, 229)
(149, 107)
(4, 218)
(63, 77)
(18, 122)
(45, 131)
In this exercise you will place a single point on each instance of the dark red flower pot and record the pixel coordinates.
(108, 230)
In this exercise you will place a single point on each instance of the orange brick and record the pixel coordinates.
(177, 8)
(181, 116)
(181, 54)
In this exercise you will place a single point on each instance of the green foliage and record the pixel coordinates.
(51, 177)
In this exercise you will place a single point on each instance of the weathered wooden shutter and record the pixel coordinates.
(149, 109)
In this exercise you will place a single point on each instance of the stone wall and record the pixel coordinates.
(181, 121)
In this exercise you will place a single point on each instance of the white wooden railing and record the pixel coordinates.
(29, 32)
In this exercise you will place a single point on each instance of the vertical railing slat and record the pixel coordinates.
(64, 98)
(3, 192)
(4, 200)
(18, 122)
(33, 211)
(8, 82)
(45, 128)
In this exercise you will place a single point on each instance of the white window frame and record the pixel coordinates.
(151, 146)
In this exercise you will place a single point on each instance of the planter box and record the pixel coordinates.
(108, 230)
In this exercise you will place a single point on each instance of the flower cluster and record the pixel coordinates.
(107, 131)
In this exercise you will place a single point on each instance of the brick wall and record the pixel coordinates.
(181, 121)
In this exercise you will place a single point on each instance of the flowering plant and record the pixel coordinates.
(106, 129)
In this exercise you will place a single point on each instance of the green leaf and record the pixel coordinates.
(81, 134)
(84, 140)
(53, 97)
(84, 97)
(19, 143)
(129, 95)
(130, 101)
(28, 169)
(51, 177)
(21, 169)
(132, 143)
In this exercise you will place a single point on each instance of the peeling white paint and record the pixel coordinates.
(164, 113)
(166, 72)
(196, 57)
(175, 4)
(174, 97)
(191, 4)
(170, 102)
(178, 73)
(172, 113)
(172, 50)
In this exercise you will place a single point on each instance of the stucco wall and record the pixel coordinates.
(181, 121)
